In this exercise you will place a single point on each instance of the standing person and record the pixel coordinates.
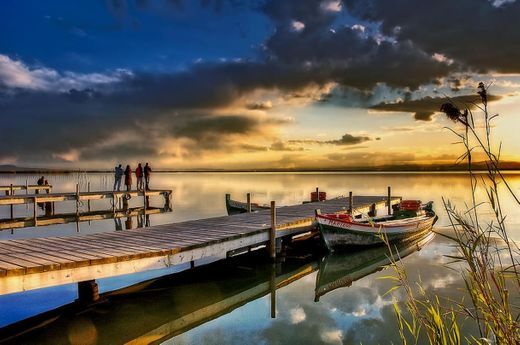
(147, 173)
(118, 174)
(139, 176)
(128, 178)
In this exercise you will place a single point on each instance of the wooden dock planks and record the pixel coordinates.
(58, 260)
(53, 219)
(83, 196)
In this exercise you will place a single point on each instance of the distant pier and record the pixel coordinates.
(119, 201)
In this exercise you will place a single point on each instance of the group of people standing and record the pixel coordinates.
(140, 173)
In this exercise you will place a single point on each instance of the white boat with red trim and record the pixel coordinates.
(412, 220)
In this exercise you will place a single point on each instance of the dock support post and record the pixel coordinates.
(77, 198)
(11, 191)
(26, 186)
(88, 201)
(272, 232)
(88, 291)
(318, 193)
(248, 202)
(389, 200)
(272, 287)
(146, 200)
(35, 211)
(350, 203)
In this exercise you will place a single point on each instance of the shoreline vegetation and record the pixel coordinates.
(477, 167)
(490, 270)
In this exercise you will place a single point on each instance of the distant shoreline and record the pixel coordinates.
(57, 171)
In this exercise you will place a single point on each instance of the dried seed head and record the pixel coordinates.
(482, 92)
(453, 113)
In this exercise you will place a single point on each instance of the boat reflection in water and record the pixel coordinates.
(339, 270)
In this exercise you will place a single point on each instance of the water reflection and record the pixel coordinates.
(159, 309)
(359, 313)
(339, 270)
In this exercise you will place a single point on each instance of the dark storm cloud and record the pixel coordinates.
(475, 33)
(344, 55)
(425, 108)
(346, 139)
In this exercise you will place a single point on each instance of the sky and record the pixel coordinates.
(258, 84)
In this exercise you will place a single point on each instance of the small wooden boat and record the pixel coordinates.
(341, 270)
(412, 220)
(236, 207)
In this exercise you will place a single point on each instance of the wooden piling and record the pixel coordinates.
(272, 232)
(77, 198)
(272, 287)
(389, 200)
(88, 291)
(350, 203)
(248, 202)
(318, 193)
(88, 201)
(35, 211)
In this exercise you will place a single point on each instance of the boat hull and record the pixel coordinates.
(237, 207)
(338, 234)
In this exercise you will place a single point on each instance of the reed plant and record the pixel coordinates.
(487, 259)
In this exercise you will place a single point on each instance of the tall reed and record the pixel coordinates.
(488, 257)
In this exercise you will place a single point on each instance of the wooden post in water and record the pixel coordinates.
(77, 198)
(389, 200)
(11, 194)
(350, 203)
(88, 291)
(248, 202)
(114, 201)
(35, 211)
(145, 200)
(88, 201)
(26, 187)
(272, 232)
(318, 193)
(272, 287)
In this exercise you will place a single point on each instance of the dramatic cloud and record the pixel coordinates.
(477, 34)
(425, 108)
(345, 55)
(346, 139)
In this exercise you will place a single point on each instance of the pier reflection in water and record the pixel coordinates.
(159, 309)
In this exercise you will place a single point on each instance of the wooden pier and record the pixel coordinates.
(119, 200)
(11, 189)
(79, 196)
(42, 262)
(64, 218)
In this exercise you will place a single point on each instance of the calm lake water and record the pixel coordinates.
(230, 302)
